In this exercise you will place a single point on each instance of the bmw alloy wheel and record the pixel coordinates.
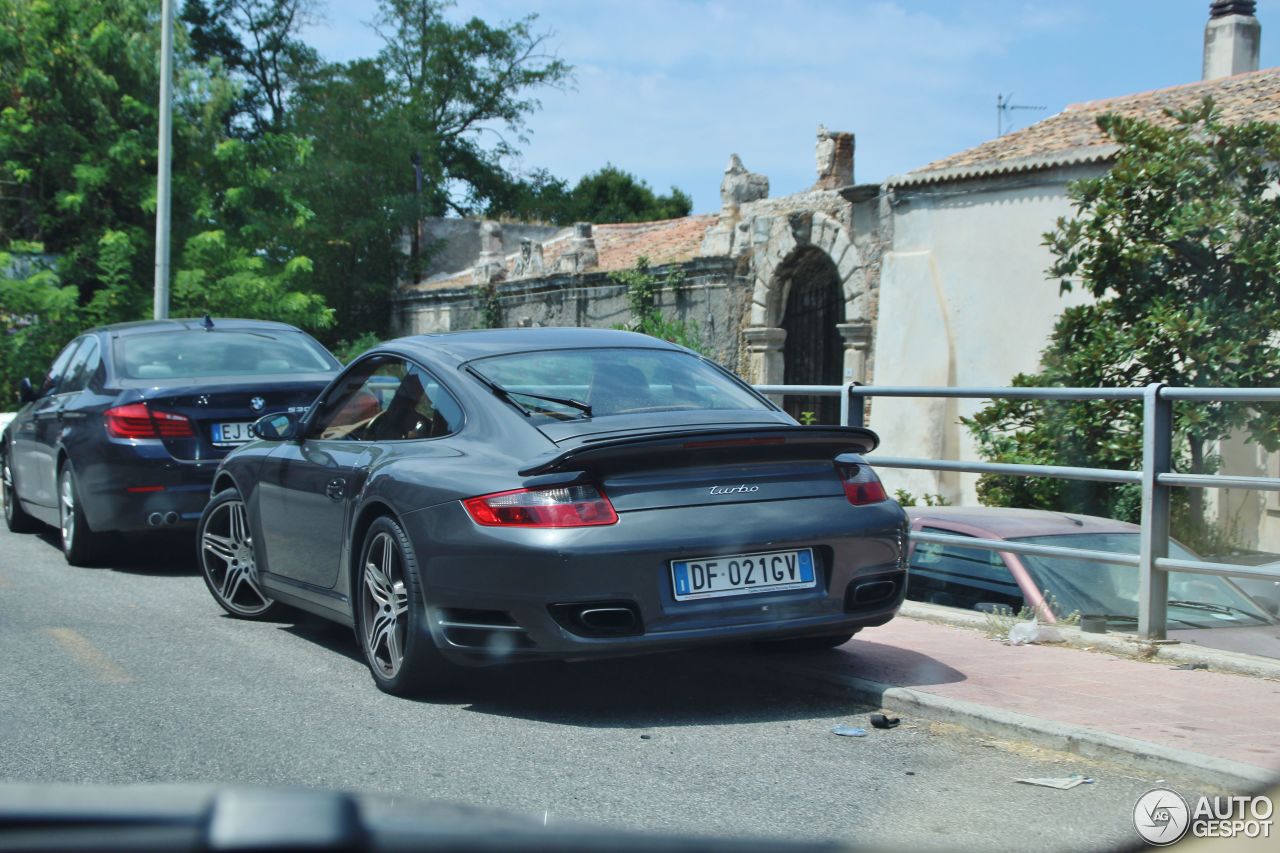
(227, 557)
(67, 510)
(385, 605)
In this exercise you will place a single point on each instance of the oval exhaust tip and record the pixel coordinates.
(171, 518)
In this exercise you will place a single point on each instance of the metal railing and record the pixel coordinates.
(1156, 478)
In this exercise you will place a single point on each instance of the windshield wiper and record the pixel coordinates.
(509, 396)
(1213, 608)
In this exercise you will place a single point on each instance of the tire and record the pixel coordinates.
(808, 644)
(391, 617)
(80, 544)
(228, 558)
(15, 517)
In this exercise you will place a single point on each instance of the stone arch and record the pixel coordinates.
(786, 236)
(789, 243)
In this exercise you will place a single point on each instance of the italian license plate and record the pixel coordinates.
(231, 433)
(742, 574)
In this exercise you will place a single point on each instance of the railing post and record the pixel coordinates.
(852, 406)
(1157, 458)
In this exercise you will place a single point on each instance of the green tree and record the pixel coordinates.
(1179, 245)
(78, 114)
(258, 44)
(608, 195)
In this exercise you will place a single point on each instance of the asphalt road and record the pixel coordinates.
(131, 674)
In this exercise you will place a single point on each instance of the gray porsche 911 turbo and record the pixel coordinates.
(504, 495)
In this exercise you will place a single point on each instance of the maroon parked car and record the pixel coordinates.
(1205, 609)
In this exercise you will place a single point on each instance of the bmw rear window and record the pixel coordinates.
(615, 382)
(191, 354)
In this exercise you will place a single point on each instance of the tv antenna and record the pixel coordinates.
(1004, 104)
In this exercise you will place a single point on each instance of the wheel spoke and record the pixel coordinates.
(400, 600)
(220, 546)
(231, 582)
(376, 590)
(387, 554)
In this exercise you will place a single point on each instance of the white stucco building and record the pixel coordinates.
(965, 298)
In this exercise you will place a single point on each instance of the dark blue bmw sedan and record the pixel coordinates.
(127, 428)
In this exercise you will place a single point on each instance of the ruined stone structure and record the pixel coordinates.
(780, 289)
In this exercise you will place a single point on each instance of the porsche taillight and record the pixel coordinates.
(861, 485)
(136, 420)
(556, 506)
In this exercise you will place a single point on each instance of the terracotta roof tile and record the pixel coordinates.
(1072, 136)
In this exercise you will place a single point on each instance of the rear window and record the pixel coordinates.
(191, 354)
(614, 382)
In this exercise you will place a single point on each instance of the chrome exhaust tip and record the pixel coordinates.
(170, 518)
(155, 519)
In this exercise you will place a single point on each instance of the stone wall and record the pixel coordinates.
(712, 296)
(455, 243)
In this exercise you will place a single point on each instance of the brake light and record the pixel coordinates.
(861, 485)
(136, 420)
(558, 506)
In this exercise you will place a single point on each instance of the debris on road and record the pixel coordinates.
(880, 721)
(1062, 783)
(1190, 666)
(849, 731)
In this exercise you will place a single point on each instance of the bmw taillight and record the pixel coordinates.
(137, 420)
(861, 485)
(557, 506)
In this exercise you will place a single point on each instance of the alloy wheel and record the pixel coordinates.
(9, 494)
(384, 602)
(226, 553)
(67, 510)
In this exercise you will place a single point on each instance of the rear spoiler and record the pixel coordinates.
(711, 446)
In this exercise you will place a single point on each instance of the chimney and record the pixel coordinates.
(1231, 38)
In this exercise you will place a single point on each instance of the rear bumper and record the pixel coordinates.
(131, 482)
(496, 595)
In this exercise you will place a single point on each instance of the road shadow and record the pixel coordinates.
(711, 687)
(323, 632)
(159, 553)
(880, 662)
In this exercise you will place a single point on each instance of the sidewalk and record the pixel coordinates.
(1225, 727)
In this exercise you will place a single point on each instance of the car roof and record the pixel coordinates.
(465, 346)
(1010, 523)
(142, 327)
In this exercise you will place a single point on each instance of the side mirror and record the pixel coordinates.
(26, 393)
(281, 426)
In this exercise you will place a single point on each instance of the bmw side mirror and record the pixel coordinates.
(26, 393)
(281, 426)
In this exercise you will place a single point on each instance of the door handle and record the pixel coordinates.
(335, 488)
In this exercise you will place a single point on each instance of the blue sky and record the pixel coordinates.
(668, 89)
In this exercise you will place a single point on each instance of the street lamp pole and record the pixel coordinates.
(163, 163)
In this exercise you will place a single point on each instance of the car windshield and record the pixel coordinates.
(1204, 601)
(188, 355)
(613, 382)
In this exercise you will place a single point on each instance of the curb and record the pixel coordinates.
(1125, 645)
(1078, 740)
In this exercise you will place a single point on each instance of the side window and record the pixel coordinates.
(81, 368)
(387, 399)
(59, 369)
(955, 576)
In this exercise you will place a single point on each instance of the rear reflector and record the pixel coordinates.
(137, 420)
(559, 506)
(861, 485)
(140, 489)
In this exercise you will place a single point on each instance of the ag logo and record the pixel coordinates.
(1161, 816)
